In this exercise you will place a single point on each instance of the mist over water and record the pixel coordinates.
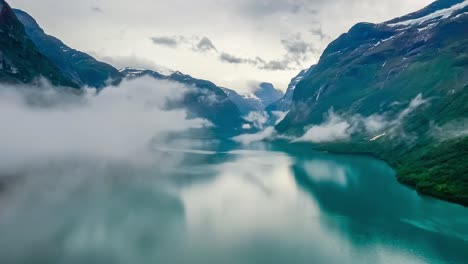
(93, 178)
(210, 203)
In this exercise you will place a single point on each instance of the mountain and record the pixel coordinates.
(20, 60)
(75, 65)
(285, 102)
(268, 94)
(398, 90)
(205, 101)
(245, 103)
(263, 95)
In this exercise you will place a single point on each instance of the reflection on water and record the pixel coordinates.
(219, 205)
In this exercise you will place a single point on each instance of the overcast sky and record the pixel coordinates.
(234, 43)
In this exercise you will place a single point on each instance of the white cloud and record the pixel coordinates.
(118, 124)
(258, 119)
(415, 103)
(267, 133)
(278, 116)
(341, 128)
(333, 129)
(454, 129)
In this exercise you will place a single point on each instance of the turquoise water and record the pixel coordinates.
(208, 204)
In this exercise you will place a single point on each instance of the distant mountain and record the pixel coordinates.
(263, 95)
(245, 103)
(75, 65)
(205, 101)
(407, 81)
(20, 60)
(285, 102)
(268, 94)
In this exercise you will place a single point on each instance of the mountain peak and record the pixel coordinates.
(20, 60)
(267, 93)
(77, 66)
(27, 20)
(438, 10)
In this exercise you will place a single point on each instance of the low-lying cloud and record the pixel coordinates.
(452, 130)
(336, 127)
(333, 129)
(246, 139)
(340, 128)
(119, 123)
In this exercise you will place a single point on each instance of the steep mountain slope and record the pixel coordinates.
(399, 90)
(285, 102)
(75, 65)
(20, 60)
(206, 100)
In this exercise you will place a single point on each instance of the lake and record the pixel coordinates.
(208, 202)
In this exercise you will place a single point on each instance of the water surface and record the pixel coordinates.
(212, 204)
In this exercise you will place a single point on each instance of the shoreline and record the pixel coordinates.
(305, 148)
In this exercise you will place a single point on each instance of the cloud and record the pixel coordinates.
(297, 45)
(333, 129)
(297, 51)
(233, 59)
(168, 41)
(276, 65)
(197, 43)
(229, 58)
(318, 32)
(454, 129)
(278, 116)
(273, 65)
(119, 123)
(131, 61)
(246, 139)
(277, 7)
(375, 123)
(97, 9)
(341, 128)
(258, 119)
(415, 103)
(205, 45)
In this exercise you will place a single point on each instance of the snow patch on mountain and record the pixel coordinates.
(439, 14)
(133, 72)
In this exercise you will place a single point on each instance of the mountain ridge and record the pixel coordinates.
(206, 101)
(76, 65)
(408, 76)
(20, 60)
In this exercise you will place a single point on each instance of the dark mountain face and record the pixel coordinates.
(20, 60)
(382, 70)
(75, 65)
(285, 102)
(205, 100)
